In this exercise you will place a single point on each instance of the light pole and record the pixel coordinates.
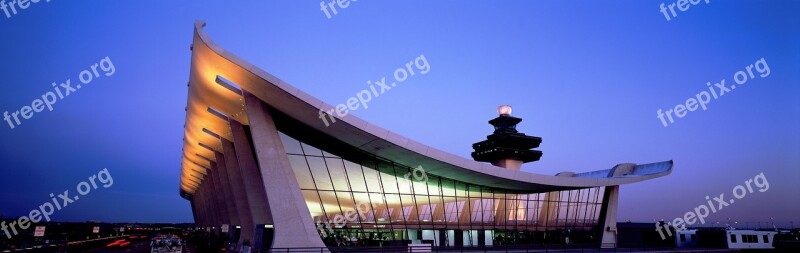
(772, 220)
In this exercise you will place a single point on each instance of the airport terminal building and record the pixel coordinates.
(261, 166)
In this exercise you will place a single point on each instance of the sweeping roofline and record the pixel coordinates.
(213, 67)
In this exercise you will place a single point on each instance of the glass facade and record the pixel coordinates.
(371, 201)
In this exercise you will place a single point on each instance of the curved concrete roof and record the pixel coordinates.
(210, 61)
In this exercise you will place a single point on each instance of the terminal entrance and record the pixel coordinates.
(354, 237)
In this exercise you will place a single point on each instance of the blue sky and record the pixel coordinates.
(588, 77)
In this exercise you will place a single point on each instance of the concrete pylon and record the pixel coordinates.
(194, 209)
(239, 191)
(550, 206)
(608, 212)
(251, 180)
(295, 228)
(197, 206)
(210, 205)
(219, 197)
(203, 208)
(224, 181)
(548, 216)
(609, 219)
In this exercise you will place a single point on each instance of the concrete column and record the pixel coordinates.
(194, 210)
(550, 205)
(209, 200)
(608, 212)
(510, 164)
(294, 227)
(197, 206)
(608, 217)
(200, 197)
(251, 179)
(212, 216)
(239, 191)
(505, 207)
(225, 185)
(217, 200)
(207, 204)
(204, 208)
(549, 211)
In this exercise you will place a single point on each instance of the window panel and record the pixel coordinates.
(330, 202)
(532, 208)
(425, 212)
(355, 176)
(349, 206)
(372, 179)
(365, 206)
(326, 154)
(420, 188)
(290, 145)
(337, 174)
(301, 172)
(394, 203)
(403, 184)
(483, 210)
(312, 201)
(452, 210)
(410, 213)
(461, 189)
(309, 150)
(448, 187)
(320, 173)
(388, 180)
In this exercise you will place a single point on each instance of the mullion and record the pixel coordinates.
(350, 186)
(369, 198)
(400, 195)
(333, 186)
(314, 181)
(383, 190)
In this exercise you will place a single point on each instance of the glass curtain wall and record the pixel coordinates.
(376, 202)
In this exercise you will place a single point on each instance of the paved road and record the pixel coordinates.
(137, 247)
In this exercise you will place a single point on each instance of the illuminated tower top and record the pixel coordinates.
(507, 147)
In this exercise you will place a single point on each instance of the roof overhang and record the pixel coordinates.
(217, 74)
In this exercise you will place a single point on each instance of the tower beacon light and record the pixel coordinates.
(504, 110)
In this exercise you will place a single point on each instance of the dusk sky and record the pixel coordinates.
(588, 77)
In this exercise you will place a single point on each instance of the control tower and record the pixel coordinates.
(507, 147)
